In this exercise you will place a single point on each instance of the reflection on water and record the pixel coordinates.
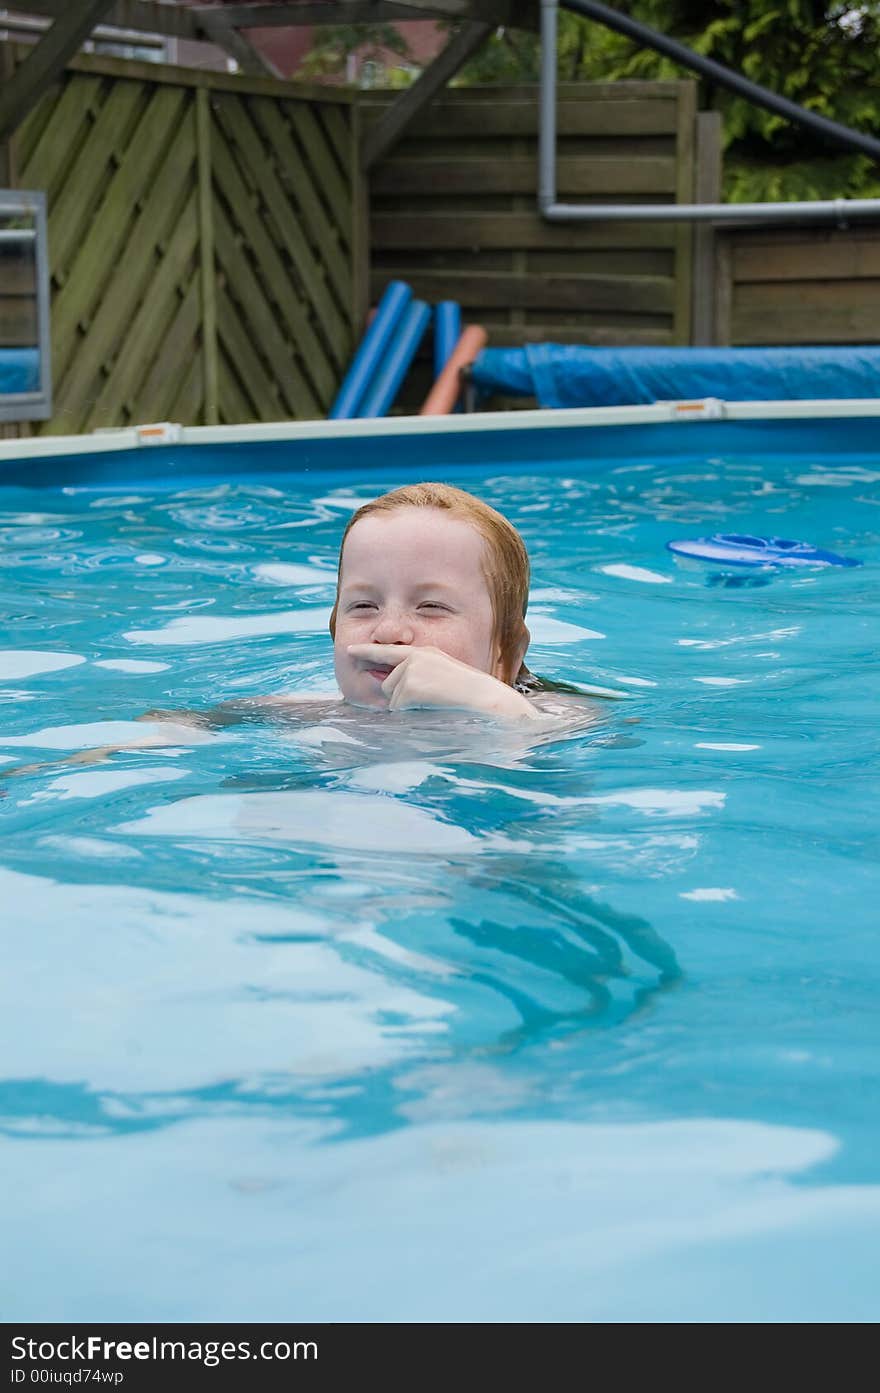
(350, 914)
(499, 1220)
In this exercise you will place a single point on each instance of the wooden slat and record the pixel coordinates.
(608, 178)
(504, 118)
(487, 148)
(242, 84)
(824, 295)
(207, 265)
(296, 312)
(336, 121)
(155, 396)
(630, 294)
(848, 323)
(238, 350)
(500, 230)
(47, 164)
(98, 254)
(188, 403)
(684, 193)
(648, 262)
(142, 338)
(254, 308)
(325, 233)
(707, 189)
(505, 335)
(320, 158)
(854, 259)
(235, 406)
(130, 278)
(72, 207)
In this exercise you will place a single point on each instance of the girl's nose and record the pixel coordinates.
(393, 628)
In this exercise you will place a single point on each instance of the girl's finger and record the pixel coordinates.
(395, 676)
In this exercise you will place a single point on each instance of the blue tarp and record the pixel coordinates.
(19, 370)
(559, 375)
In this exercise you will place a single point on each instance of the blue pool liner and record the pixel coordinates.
(19, 370)
(372, 349)
(560, 375)
(393, 368)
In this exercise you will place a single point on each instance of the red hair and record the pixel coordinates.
(505, 560)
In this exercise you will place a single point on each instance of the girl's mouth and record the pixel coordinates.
(380, 673)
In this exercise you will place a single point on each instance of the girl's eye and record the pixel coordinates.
(432, 604)
(363, 605)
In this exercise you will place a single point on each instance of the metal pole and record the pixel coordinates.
(839, 210)
(724, 77)
(547, 113)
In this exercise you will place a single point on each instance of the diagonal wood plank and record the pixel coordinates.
(94, 262)
(45, 165)
(131, 278)
(72, 208)
(235, 407)
(142, 339)
(317, 155)
(160, 386)
(187, 406)
(296, 313)
(255, 166)
(324, 232)
(336, 124)
(242, 360)
(262, 317)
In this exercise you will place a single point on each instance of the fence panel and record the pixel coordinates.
(799, 286)
(453, 211)
(205, 239)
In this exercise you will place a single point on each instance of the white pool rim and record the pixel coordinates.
(164, 433)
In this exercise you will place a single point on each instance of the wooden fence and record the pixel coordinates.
(205, 238)
(798, 286)
(454, 212)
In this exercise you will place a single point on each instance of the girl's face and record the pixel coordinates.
(412, 577)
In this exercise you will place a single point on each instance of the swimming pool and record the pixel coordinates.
(414, 1017)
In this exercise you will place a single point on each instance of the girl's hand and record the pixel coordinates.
(429, 677)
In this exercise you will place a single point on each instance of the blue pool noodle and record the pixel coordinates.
(371, 351)
(401, 351)
(447, 332)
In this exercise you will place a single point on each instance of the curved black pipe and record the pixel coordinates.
(725, 77)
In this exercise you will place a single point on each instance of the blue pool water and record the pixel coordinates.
(407, 1016)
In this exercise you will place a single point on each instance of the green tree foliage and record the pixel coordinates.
(334, 43)
(825, 57)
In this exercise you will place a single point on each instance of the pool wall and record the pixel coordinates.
(159, 454)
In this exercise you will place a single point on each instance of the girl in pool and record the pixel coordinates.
(431, 598)
(430, 605)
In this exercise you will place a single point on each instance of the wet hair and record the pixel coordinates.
(505, 561)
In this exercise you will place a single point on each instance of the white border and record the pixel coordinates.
(657, 413)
